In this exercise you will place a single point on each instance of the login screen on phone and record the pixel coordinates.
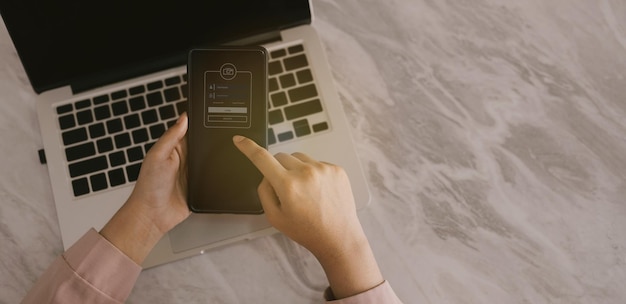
(228, 97)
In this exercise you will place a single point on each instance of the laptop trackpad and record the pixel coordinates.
(203, 229)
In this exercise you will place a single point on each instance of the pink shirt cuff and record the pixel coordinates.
(102, 265)
(91, 271)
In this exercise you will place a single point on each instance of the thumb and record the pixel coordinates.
(168, 141)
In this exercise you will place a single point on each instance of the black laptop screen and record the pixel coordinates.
(62, 42)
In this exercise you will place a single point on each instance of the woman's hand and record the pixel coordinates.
(311, 202)
(158, 201)
(162, 184)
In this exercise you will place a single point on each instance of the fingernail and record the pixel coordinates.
(180, 119)
(238, 138)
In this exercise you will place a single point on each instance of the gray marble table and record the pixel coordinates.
(493, 136)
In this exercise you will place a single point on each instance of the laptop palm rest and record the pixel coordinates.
(203, 229)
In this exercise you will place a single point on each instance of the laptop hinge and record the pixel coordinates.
(259, 39)
(112, 76)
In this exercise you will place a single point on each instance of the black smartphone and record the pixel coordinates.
(227, 97)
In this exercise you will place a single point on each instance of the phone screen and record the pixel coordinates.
(227, 97)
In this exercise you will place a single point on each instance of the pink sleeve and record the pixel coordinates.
(381, 294)
(91, 271)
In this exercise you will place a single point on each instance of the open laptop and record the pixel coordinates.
(111, 78)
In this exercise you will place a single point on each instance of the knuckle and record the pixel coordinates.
(334, 168)
(310, 171)
(298, 154)
(280, 155)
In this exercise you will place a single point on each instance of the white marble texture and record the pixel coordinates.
(493, 135)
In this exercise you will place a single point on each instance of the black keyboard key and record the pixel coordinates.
(278, 99)
(137, 103)
(275, 117)
(82, 104)
(96, 130)
(287, 81)
(84, 117)
(301, 127)
(302, 93)
(320, 127)
(119, 95)
(304, 76)
(117, 158)
(285, 136)
(167, 112)
(88, 166)
(149, 116)
(185, 77)
(170, 123)
(271, 138)
(98, 182)
(119, 107)
(303, 109)
(181, 107)
(104, 145)
(67, 121)
(80, 186)
(278, 53)
(156, 131)
(114, 125)
(100, 99)
(140, 136)
(81, 151)
(273, 84)
(295, 62)
(296, 49)
(134, 154)
(171, 94)
(155, 85)
(132, 121)
(154, 99)
(102, 112)
(172, 80)
(137, 90)
(74, 136)
(117, 177)
(274, 67)
(64, 108)
(133, 172)
(122, 140)
(185, 90)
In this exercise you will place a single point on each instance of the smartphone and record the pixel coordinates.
(227, 96)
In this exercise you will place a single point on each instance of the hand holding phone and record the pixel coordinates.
(227, 97)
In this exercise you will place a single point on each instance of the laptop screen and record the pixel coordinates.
(88, 43)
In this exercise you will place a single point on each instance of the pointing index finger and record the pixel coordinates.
(260, 157)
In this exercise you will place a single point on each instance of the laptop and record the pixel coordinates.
(111, 78)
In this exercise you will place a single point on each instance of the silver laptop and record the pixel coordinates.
(112, 79)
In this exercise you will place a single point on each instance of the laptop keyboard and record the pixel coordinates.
(106, 137)
(294, 109)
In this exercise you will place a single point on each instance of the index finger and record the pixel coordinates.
(261, 158)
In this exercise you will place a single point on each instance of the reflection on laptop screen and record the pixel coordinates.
(62, 41)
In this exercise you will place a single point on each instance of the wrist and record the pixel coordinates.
(351, 268)
(132, 231)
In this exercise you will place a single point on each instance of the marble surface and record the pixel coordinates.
(493, 136)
